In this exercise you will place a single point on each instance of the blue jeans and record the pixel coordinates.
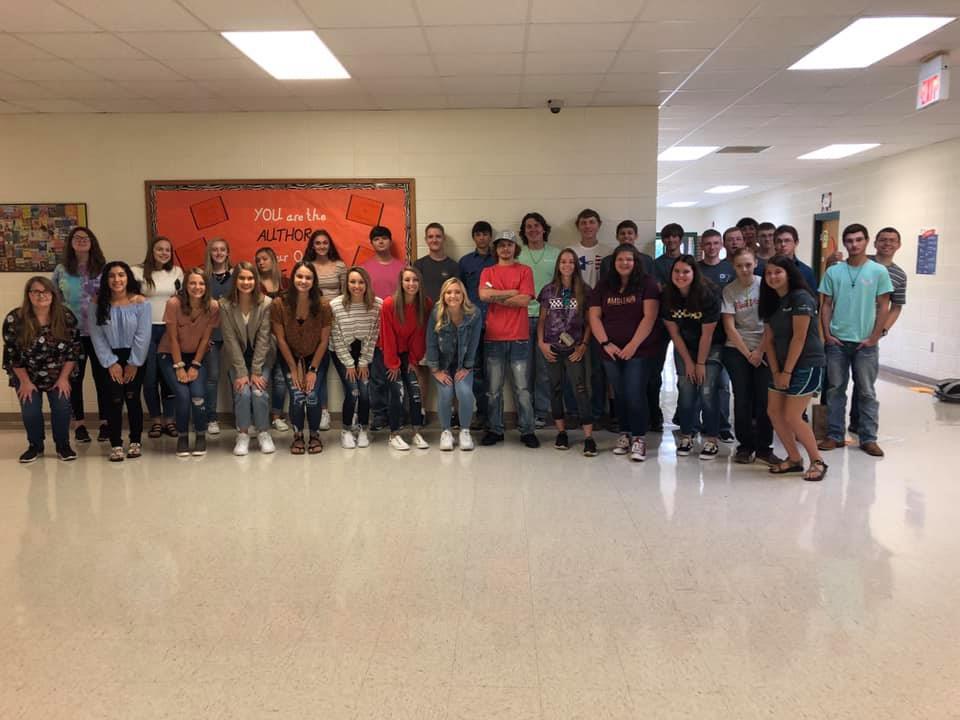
(865, 364)
(688, 394)
(598, 380)
(479, 384)
(303, 406)
(32, 413)
(538, 380)
(629, 379)
(251, 407)
(278, 388)
(379, 391)
(356, 393)
(188, 397)
(405, 387)
(500, 354)
(211, 361)
(463, 389)
(156, 394)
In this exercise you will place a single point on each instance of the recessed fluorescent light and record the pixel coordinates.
(682, 204)
(724, 189)
(867, 40)
(679, 153)
(297, 55)
(835, 152)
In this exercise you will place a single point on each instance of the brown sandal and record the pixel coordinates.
(171, 429)
(315, 446)
(816, 471)
(297, 447)
(156, 430)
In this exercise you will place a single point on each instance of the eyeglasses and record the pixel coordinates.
(40, 293)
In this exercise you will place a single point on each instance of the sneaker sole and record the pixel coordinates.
(31, 460)
(683, 453)
(561, 447)
(620, 451)
(708, 457)
(194, 453)
(634, 458)
(66, 459)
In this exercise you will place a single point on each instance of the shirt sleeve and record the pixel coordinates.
(803, 304)
(899, 296)
(727, 307)
(98, 336)
(884, 285)
(140, 347)
(388, 335)
(595, 298)
(485, 277)
(432, 343)
(336, 335)
(369, 343)
(826, 283)
(527, 286)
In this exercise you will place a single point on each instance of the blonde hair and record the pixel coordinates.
(208, 261)
(442, 314)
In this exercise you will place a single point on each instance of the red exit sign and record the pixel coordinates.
(934, 82)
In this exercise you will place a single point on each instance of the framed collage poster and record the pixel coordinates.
(32, 235)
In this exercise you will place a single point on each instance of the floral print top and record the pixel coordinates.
(44, 359)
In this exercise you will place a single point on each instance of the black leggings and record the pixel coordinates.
(76, 382)
(117, 395)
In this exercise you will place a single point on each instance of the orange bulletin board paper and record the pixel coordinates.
(281, 214)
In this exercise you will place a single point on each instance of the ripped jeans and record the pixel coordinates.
(190, 397)
(303, 405)
(508, 356)
(117, 395)
(251, 407)
(356, 393)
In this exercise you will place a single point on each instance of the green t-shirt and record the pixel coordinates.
(854, 292)
(542, 262)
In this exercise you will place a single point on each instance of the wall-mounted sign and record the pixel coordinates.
(32, 235)
(934, 82)
(826, 202)
(927, 252)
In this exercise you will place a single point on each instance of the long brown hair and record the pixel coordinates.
(577, 285)
(29, 325)
(275, 276)
(234, 295)
(419, 302)
(184, 295)
(150, 265)
(95, 261)
(291, 295)
(367, 294)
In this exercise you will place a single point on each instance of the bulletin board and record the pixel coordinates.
(33, 235)
(281, 214)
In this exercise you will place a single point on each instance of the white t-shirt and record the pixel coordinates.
(744, 304)
(165, 285)
(590, 259)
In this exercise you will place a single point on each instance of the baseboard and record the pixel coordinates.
(902, 377)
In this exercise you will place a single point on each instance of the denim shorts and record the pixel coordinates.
(803, 381)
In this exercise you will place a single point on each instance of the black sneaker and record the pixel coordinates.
(81, 434)
(183, 446)
(727, 437)
(709, 450)
(744, 457)
(103, 434)
(67, 453)
(684, 446)
(768, 457)
(199, 444)
(530, 440)
(589, 447)
(32, 453)
(479, 423)
(562, 442)
(491, 438)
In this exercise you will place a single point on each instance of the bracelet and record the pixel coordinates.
(606, 342)
(179, 366)
(196, 365)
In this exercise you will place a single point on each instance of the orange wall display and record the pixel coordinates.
(281, 214)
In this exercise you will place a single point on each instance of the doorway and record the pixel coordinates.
(826, 240)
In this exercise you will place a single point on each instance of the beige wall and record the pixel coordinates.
(468, 165)
(912, 192)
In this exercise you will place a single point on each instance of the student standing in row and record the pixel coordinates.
(272, 284)
(41, 348)
(332, 277)
(786, 240)
(766, 242)
(471, 265)
(435, 267)
(382, 269)
(720, 273)
(671, 235)
(77, 279)
(218, 271)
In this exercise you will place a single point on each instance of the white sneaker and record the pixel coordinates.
(419, 442)
(324, 419)
(466, 442)
(446, 440)
(623, 444)
(242, 447)
(347, 440)
(280, 425)
(266, 443)
(362, 439)
(638, 450)
(396, 442)
(213, 428)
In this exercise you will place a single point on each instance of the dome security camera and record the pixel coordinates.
(555, 106)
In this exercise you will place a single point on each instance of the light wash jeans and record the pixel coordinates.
(463, 389)
(500, 354)
(865, 364)
(688, 395)
(538, 379)
(251, 407)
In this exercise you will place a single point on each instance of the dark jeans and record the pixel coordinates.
(537, 380)
(278, 387)
(629, 378)
(190, 397)
(863, 363)
(211, 362)
(598, 380)
(565, 371)
(378, 392)
(750, 384)
(654, 385)
(356, 393)
(76, 382)
(117, 395)
(405, 387)
(479, 383)
(156, 394)
(32, 413)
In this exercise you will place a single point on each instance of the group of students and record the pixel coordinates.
(571, 330)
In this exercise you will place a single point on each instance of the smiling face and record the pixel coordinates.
(117, 280)
(506, 250)
(749, 233)
(81, 242)
(303, 279)
(623, 263)
(533, 231)
(682, 275)
(219, 253)
(887, 244)
(321, 245)
(776, 277)
(162, 252)
(410, 283)
(40, 297)
(196, 286)
(356, 285)
(434, 239)
(588, 227)
(627, 236)
(567, 264)
(453, 296)
(246, 282)
(711, 248)
(784, 244)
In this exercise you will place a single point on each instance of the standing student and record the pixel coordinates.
(786, 240)
(671, 235)
(120, 329)
(191, 317)
(627, 234)
(272, 284)
(766, 244)
(77, 279)
(159, 280)
(507, 287)
(748, 228)
(454, 331)
(435, 267)
(855, 304)
(249, 354)
(41, 348)
(218, 271)
(795, 356)
(471, 265)
(691, 311)
(301, 323)
(733, 240)
(356, 326)
(541, 258)
(743, 357)
(623, 317)
(720, 272)
(403, 342)
(564, 337)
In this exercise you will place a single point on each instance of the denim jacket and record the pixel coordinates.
(452, 345)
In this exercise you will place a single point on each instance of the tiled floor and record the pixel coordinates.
(504, 583)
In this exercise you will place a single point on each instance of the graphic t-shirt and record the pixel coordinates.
(384, 277)
(621, 313)
(744, 304)
(798, 302)
(690, 322)
(854, 291)
(720, 274)
(563, 315)
(435, 274)
(590, 259)
(503, 321)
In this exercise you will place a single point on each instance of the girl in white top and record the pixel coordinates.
(331, 270)
(160, 279)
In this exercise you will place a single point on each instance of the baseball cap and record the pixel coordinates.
(506, 235)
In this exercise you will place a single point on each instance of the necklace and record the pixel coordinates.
(534, 260)
(853, 280)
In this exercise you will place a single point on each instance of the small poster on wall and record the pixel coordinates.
(32, 235)
(927, 252)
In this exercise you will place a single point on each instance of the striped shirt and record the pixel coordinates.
(353, 323)
(899, 279)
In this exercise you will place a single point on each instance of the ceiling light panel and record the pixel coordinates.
(298, 55)
(686, 153)
(682, 204)
(726, 189)
(841, 150)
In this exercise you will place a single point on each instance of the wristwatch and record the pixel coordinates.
(312, 369)
(883, 333)
(606, 342)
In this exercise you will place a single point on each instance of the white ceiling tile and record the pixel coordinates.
(12, 47)
(476, 39)
(41, 16)
(249, 15)
(495, 100)
(167, 89)
(123, 15)
(561, 84)
(181, 45)
(773, 57)
(381, 85)
(703, 99)
(540, 100)
(481, 84)
(213, 69)
(635, 82)
(129, 69)
(658, 61)
(126, 105)
(677, 34)
(627, 97)
(259, 103)
(695, 9)
(40, 70)
(568, 62)
(728, 80)
(80, 89)
(811, 8)
(445, 12)
(763, 33)
(55, 106)
(592, 36)
(9, 109)
(374, 41)
(267, 87)
(323, 88)
(410, 102)
(559, 11)
(479, 64)
(74, 46)
(364, 66)
(352, 14)
(344, 102)
(12, 88)
(201, 105)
